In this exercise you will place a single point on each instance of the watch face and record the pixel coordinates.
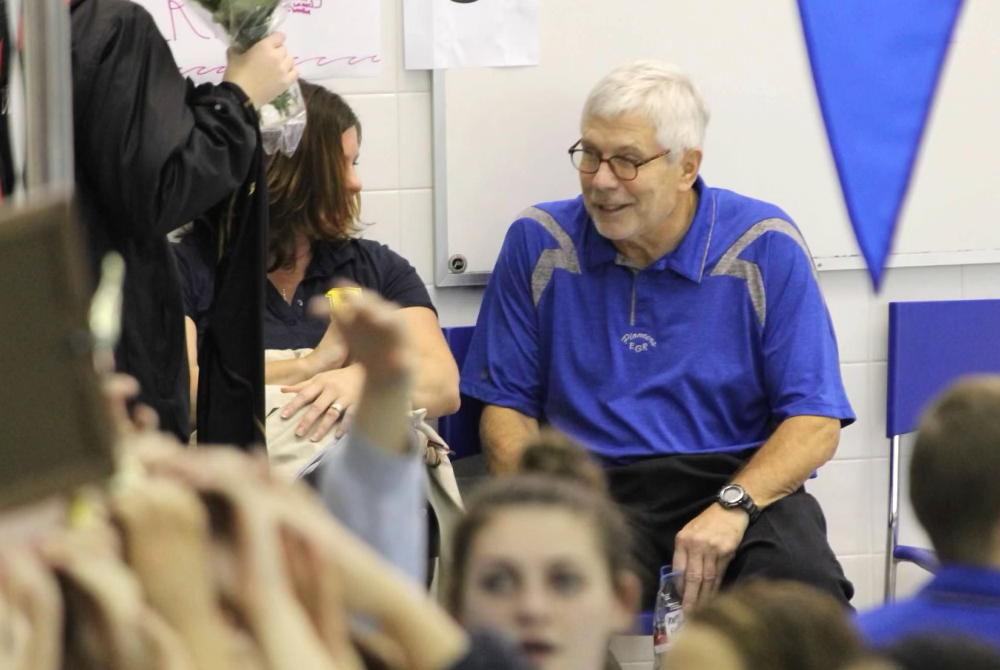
(731, 494)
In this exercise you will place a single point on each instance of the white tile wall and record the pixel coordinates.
(380, 211)
(844, 490)
(854, 441)
(415, 164)
(846, 296)
(878, 520)
(378, 162)
(981, 281)
(396, 170)
(933, 283)
(417, 218)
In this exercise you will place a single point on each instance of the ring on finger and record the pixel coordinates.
(336, 407)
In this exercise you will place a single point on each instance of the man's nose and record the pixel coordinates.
(605, 177)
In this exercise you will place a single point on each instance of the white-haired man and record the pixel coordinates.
(679, 332)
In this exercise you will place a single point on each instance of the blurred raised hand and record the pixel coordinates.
(31, 613)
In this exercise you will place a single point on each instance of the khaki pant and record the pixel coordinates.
(285, 450)
(288, 453)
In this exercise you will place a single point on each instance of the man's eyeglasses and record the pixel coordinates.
(589, 162)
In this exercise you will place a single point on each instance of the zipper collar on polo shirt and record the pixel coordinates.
(687, 260)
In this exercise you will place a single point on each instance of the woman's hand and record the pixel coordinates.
(331, 352)
(332, 396)
(264, 72)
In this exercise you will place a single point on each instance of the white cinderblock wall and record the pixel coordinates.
(396, 168)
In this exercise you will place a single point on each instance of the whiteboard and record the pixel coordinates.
(328, 38)
(501, 134)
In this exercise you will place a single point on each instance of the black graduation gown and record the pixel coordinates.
(152, 153)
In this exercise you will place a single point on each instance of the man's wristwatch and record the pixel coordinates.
(732, 496)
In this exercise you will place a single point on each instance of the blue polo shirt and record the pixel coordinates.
(705, 350)
(961, 599)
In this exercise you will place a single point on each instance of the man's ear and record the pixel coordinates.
(690, 164)
(628, 592)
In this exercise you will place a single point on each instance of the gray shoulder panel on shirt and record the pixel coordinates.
(732, 265)
(565, 257)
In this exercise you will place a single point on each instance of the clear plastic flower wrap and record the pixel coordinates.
(241, 24)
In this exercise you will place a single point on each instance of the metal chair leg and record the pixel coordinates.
(892, 537)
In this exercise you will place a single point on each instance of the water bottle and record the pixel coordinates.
(668, 617)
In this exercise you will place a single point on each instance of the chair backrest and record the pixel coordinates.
(461, 429)
(931, 344)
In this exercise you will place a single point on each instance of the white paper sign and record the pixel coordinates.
(328, 38)
(470, 33)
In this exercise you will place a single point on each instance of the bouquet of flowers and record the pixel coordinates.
(241, 24)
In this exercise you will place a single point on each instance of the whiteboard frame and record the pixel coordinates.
(444, 277)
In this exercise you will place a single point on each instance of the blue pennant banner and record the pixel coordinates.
(876, 65)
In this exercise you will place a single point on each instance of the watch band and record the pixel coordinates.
(743, 501)
(750, 506)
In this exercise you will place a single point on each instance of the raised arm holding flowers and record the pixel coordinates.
(245, 25)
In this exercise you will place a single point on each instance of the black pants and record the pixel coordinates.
(788, 540)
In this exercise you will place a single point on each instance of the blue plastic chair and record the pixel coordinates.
(460, 430)
(931, 345)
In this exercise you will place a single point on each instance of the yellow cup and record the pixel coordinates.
(340, 296)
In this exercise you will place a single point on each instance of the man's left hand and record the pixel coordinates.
(704, 548)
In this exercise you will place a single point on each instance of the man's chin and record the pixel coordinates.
(614, 229)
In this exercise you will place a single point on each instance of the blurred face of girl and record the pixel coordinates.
(352, 151)
(539, 575)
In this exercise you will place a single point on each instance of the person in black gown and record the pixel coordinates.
(152, 153)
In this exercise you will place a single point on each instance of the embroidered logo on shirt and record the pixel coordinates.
(638, 342)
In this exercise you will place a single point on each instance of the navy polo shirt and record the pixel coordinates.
(705, 350)
(368, 264)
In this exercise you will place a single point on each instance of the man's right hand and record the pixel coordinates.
(504, 434)
(264, 72)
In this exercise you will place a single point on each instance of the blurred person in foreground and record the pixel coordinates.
(200, 560)
(765, 625)
(953, 489)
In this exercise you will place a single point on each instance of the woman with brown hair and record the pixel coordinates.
(314, 207)
(544, 557)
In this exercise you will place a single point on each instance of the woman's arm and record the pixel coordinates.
(191, 334)
(435, 376)
(329, 354)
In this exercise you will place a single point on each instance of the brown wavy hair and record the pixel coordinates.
(781, 625)
(307, 191)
